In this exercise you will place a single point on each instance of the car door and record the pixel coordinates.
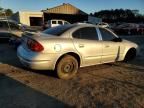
(111, 50)
(86, 42)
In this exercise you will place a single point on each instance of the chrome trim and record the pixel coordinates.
(99, 34)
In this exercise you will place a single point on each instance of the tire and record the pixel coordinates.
(130, 55)
(67, 67)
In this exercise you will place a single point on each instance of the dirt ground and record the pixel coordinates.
(113, 85)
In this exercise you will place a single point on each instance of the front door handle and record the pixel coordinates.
(81, 45)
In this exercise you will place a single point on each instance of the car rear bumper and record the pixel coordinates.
(37, 65)
(37, 61)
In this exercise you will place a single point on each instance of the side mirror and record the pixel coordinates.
(117, 39)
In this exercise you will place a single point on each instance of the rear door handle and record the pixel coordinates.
(107, 46)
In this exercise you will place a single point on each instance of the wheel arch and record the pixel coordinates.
(132, 49)
(75, 55)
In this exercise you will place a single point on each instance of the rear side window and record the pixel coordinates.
(58, 30)
(86, 33)
(106, 35)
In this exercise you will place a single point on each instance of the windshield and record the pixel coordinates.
(59, 30)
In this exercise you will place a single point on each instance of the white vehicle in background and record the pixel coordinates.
(54, 23)
(103, 24)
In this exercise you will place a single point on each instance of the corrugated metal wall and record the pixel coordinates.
(65, 9)
(68, 17)
(65, 12)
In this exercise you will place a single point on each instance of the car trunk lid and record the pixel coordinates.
(38, 38)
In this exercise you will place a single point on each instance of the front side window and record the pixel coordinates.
(86, 33)
(106, 35)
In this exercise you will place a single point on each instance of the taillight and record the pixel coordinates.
(34, 45)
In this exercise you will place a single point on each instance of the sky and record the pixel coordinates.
(88, 6)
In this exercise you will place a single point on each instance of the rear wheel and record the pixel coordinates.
(131, 54)
(67, 67)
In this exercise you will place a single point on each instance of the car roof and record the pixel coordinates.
(85, 25)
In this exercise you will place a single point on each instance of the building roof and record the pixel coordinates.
(65, 8)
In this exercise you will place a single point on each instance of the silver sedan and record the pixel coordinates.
(66, 48)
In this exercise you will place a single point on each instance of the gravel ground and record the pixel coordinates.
(113, 85)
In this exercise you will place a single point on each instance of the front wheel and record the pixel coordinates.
(67, 67)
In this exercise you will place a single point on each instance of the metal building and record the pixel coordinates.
(28, 18)
(66, 12)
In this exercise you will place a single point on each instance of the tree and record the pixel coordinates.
(8, 12)
(120, 15)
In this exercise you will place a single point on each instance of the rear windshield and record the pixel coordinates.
(59, 30)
